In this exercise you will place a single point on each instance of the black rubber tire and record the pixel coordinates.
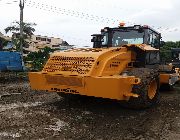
(64, 95)
(69, 96)
(166, 87)
(143, 101)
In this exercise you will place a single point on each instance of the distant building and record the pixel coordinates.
(39, 42)
(5, 37)
(65, 46)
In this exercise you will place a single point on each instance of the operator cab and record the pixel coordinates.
(134, 35)
(137, 34)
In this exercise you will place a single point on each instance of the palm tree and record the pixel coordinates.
(3, 42)
(15, 29)
(27, 28)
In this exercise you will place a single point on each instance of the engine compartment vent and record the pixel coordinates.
(75, 65)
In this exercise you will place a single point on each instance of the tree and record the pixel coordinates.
(165, 51)
(39, 58)
(15, 29)
(3, 42)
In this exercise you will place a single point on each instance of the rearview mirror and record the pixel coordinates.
(97, 38)
(93, 39)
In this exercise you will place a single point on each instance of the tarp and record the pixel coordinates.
(10, 61)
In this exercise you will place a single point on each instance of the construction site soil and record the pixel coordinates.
(38, 115)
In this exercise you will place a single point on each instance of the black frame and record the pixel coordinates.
(144, 29)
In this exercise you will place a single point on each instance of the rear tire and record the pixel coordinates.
(167, 87)
(64, 95)
(69, 96)
(148, 89)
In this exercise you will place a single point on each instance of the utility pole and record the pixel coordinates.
(21, 5)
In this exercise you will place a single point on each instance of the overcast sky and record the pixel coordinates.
(75, 20)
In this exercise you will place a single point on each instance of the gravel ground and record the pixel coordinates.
(27, 114)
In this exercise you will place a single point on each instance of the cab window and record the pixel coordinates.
(105, 39)
(154, 39)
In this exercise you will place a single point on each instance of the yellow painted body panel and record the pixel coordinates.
(93, 72)
(112, 87)
(89, 62)
(164, 78)
(171, 79)
(143, 47)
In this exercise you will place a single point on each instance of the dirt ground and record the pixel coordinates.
(27, 114)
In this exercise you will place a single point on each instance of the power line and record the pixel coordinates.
(81, 15)
(87, 16)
